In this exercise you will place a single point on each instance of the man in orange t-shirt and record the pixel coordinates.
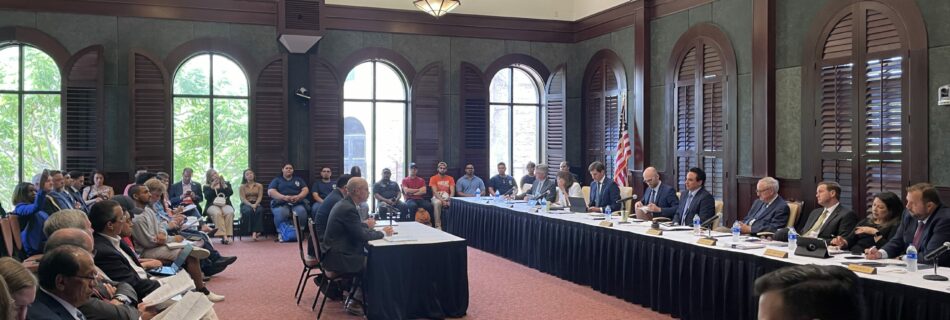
(443, 187)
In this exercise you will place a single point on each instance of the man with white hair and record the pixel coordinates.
(769, 212)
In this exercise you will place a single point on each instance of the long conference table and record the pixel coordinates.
(669, 273)
(421, 272)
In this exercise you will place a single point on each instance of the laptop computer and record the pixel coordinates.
(577, 204)
(170, 270)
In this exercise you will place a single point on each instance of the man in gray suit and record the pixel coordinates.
(542, 187)
(833, 218)
(346, 237)
(769, 212)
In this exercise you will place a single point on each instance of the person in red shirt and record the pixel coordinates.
(443, 187)
(414, 189)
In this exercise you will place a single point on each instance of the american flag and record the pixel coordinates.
(623, 147)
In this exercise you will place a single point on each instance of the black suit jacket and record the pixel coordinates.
(47, 308)
(841, 222)
(346, 238)
(665, 199)
(608, 194)
(773, 218)
(175, 193)
(114, 265)
(936, 232)
(702, 204)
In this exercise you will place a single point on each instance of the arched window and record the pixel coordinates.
(374, 120)
(210, 126)
(701, 91)
(604, 83)
(515, 118)
(861, 89)
(30, 87)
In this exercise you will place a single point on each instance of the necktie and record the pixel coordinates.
(756, 214)
(686, 209)
(652, 198)
(593, 194)
(821, 219)
(918, 234)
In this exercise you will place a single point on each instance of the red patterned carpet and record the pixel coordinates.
(260, 286)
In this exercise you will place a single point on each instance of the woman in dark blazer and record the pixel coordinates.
(223, 215)
(877, 228)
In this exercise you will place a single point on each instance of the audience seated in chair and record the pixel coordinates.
(502, 183)
(443, 187)
(21, 286)
(414, 190)
(321, 189)
(387, 194)
(215, 188)
(252, 213)
(185, 192)
(29, 199)
(470, 185)
(288, 192)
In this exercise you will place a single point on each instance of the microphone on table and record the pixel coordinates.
(936, 253)
(633, 197)
(542, 195)
(708, 223)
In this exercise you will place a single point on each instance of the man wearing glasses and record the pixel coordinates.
(67, 279)
(769, 212)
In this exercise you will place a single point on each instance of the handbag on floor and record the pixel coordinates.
(286, 232)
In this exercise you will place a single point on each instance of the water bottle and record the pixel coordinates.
(607, 213)
(697, 225)
(735, 231)
(497, 196)
(910, 258)
(544, 204)
(792, 241)
(478, 193)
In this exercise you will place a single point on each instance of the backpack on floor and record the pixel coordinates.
(286, 232)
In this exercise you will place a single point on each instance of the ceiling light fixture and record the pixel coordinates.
(437, 8)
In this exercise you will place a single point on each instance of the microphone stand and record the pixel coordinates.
(935, 276)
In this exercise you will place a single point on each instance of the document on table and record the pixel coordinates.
(399, 238)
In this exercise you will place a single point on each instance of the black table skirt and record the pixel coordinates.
(417, 281)
(684, 280)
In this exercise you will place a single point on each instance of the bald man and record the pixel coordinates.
(346, 236)
(659, 200)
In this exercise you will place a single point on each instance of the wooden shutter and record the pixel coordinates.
(862, 83)
(700, 110)
(269, 121)
(555, 115)
(474, 119)
(326, 118)
(686, 139)
(151, 113)
(82, 146)
(427, 129)
(594, 112)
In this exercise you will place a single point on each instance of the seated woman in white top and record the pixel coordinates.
(565, 179)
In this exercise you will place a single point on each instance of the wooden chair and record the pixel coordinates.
(794, 209)
(15, 232)
(8, 236)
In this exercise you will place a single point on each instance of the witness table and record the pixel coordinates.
(424, 275)
(669, 273)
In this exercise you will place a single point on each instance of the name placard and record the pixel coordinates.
(776, 253)
(655, 232)
(862, 269)
(706, 241)
(607, 224)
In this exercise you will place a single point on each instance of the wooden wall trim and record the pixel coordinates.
(261, 12)
(763, 87)
(340, 17)
(641, 87)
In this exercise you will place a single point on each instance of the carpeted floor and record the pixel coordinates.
(260, 286)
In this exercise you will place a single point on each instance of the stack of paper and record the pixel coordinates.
(171, 287)
(193, 306)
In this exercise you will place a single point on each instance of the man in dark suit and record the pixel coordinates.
(603, 192)
(542, 186)
(113, 256)
(833, 218)
(659, 200)
(186, 192)
(697, 201)
(346, 236)
(67, 279)
(769, 212)
(926, 226)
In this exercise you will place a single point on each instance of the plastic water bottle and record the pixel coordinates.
(910, 258)
(497, 196)
(544, 204)
(697, 225)
(607, 213)
(792, 241)
(735, 231)
(478, 193)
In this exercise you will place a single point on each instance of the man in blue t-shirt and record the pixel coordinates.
(289, 193)
(321, 189)
(502, 183)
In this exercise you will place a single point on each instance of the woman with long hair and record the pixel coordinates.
(98, 191)
(877, 228)
(221, 213)
(252, 213)
(20, 285)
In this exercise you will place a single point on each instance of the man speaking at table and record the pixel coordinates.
(697, 201)
(926, 226)
(603, 192)
(346, 238)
